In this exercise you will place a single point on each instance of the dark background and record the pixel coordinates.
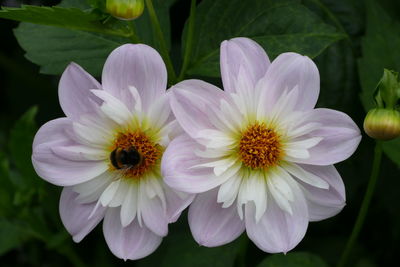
(31, 233)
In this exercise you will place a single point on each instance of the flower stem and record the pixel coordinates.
(189, 40)
(163, 46)
(364, 206)
(135, 39)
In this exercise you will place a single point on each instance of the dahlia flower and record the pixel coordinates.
(259, 153)
(107, 151)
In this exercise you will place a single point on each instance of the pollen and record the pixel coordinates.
(260, 147)
(150, 153)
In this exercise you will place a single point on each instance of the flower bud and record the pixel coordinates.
(125, 9)
(382, 124)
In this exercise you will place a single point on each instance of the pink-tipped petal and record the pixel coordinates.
(53, 131)
(324, 203)
(278, 231)
(74, 92)
(242, 53)
(132, 242)
(190, 101)
(212, 225)
(341, 137)
(75, 216)
(136, 65)
(176, 166)
(289, 71)
(54, 168)
(176, 203)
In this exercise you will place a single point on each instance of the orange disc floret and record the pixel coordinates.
(260, 147)
(150, 152)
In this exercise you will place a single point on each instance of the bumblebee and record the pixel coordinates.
(125, 158)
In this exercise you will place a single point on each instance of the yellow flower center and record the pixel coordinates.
(135, 154)
(260, 147)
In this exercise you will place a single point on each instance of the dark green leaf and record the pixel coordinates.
(69, 18)
(293, 259)
(61, 46)
(5, 185)
(21, 139)
(10, 236)
(381, 49)
(279, 26)
(88, 49)
(77, 3)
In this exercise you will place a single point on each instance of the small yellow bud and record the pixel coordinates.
(125, 9)
(382, 124)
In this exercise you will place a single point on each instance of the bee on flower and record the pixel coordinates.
(258, 154)
(108, 149)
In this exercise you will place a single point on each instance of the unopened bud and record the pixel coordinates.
(125, 9)
(382, 124)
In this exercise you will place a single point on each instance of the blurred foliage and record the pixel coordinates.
(351, 42)
(295, 259)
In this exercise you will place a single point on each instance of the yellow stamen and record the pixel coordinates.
(260, 147)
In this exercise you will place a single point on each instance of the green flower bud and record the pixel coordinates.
(125, 9)
(382, 124)
(387, 92)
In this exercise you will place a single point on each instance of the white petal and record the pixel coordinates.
(159, 112)
(254, 188)
(137, 99)
(109, 193)
(91, 190)
(114, 108)
(80, 152)
(212, 153)
(305, 176)
(220, 166)
(214, 138)
(304, 144)
(229, 190)
(129, 206)
(120, 195)
(294, 154)
(280, 191)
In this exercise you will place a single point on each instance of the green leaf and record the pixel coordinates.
(279, 26)
(21, 139)
(5, 185)
(69, 18)
(380, 49)
(10, 236)
(293, 259)
(53, 49)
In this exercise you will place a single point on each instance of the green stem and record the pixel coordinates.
(189, 41)
(364, 206)
(135, 39)
(163, 46)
